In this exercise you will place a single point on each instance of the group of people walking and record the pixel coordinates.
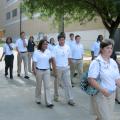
(65, 59)
(60, 58)
(24, 49)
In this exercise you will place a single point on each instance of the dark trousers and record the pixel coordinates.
(9, 64)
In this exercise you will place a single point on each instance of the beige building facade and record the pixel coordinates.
(10, 21)
(10, 24)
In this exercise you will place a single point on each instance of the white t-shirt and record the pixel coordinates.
(7, 50)
(20, 46)
(62, 53)
(77, 51)
(42, 59)
(96, 48)
(109, 72)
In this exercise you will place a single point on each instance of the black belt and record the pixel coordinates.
(41, 69)
(9, 55)
(23, 52)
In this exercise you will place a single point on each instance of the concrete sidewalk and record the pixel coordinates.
(17, 101)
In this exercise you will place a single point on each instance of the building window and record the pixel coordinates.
(8, 15)
(14, 13)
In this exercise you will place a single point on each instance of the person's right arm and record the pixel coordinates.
(94, 84)
(2, 56)
(54, 66)
(17, 47)
(3, 53)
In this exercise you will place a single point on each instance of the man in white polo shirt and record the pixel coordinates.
(21, 46)
(63, 57)
(71, 41)
(77, 58)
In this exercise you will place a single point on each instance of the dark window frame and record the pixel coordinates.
(8, 15)
(14, 12)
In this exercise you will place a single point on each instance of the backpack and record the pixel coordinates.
(85, 86)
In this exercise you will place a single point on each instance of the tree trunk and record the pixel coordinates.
(111, 27)
(61, 24)
(112, 33)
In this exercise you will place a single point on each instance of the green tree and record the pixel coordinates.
(78, 10)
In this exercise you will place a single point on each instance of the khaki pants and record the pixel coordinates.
(30, 54)
(24, 57)
(103, 106)
(63, 76)
(77, 65)
(45, 77)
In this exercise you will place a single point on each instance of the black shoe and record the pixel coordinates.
(50, 105)
(73, 85)
(11, 77)
(18, 75)
(38, 102)
(75, 74)
(118, 102)
(71, 103)
(26, 77)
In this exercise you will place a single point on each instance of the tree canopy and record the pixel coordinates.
(78, 10)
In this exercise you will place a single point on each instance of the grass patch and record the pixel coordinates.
(87, 53)
(2, 43)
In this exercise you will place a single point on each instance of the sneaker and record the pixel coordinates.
(50, 105)
(26, 77)
(71, 102)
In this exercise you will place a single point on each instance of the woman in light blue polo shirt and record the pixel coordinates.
(107, 70)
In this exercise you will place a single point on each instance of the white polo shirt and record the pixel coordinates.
(70, 43)
(62, 53)
(77, 51)
(96, 48)
(42, 59)
(109, 72)
(20, 46)
(51, 47)
(7, 50)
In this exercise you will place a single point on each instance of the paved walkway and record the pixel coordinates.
(17, 101)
